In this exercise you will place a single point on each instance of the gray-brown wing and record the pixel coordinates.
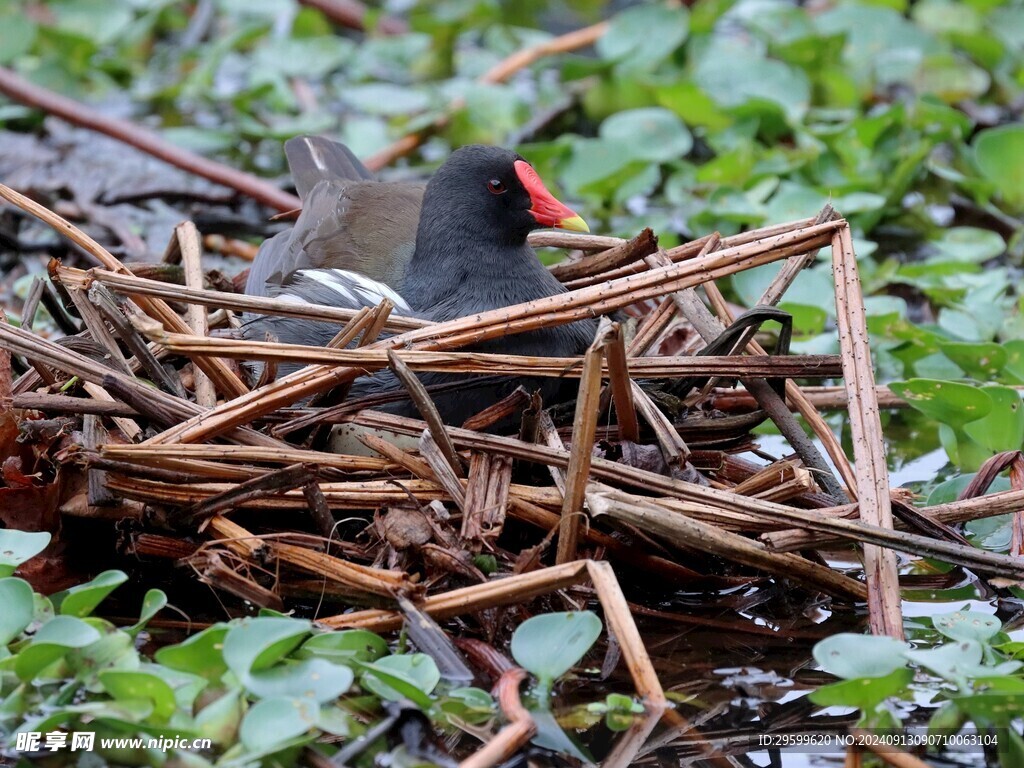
(313, 159)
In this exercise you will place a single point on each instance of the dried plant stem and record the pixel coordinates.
(884, 606)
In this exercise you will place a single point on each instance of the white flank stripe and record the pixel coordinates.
(372, 290)
(326, 278)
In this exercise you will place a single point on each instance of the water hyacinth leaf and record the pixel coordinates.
(723, 72)
(980, 360)
(951, 78)
(999, 153)
(413, 676)
(865, 693)
(593, 161)
(967, 625)
(850, 656)
(549, 645)
(948, 402)
(272, 723)
(653, 134)
(969, 244)
(630, 41)
(154, 602)
(989, 708)
(201, 654)
(314, 679)
(955, 662)
(345, 646)
(255, 644)
(992, 533)
(17, 35)
(219, 720)
(1002, 429)
(54, 639)
(135, 685)
(18, 608)
(550, 735)
(18, 546)
(1014, 366)
(80, 600)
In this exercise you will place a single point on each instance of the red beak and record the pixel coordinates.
(548, 211)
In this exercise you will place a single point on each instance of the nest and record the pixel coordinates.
(169, 434)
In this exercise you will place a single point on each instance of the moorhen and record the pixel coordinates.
(349, 249)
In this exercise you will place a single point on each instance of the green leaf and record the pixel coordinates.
(969, 244)
(314, 679)
(219, 720)
(629, 39)
(132, 685)
(999, 153)
(255, 644)
(55, 638)
(272, 723)
(850, 656)
(80, 600)
(18, 608)
(345, 646)
(967, 625)
(17, 34)
(865, 693)
(547, 646)
(988, 708)
(154, 602)
(413, 676)
(18, 546)
(653, 134)
(1002, 429)
(201, 654)
(945, 401)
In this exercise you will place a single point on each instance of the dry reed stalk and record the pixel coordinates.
(1002, 503)
(141, 286)
(374, 359)
(625, 253)
(359, 578)
(691, 249)
(156, 456)
(621, 386)
(584, 427)
(428, 410)
(190, 245)
(224, 378)
(884, 606)
(560, 309)
(693, 534)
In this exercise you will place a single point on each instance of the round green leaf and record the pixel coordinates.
(131, 685)
(219, 720)
(255, 644)
(653, 134)
(18, 546)
(80, 600)
(980, 360)
(999, 153)
(945, 401)
(201, 654)
(411, 676)
(629, 37)
(850, 656)
(18, 608)
(345, 646)
(967, 625)
(314, 679)
(969, 244)
(54, 639)
(1002, 429)
(549, 645)
(272, 723)
(865, 693)
(154, 602)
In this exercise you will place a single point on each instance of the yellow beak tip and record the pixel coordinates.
(574, 223)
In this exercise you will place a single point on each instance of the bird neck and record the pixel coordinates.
(468, 275)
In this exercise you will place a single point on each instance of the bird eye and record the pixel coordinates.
(496, 186)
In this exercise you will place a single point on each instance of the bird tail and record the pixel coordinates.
(314, 158)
